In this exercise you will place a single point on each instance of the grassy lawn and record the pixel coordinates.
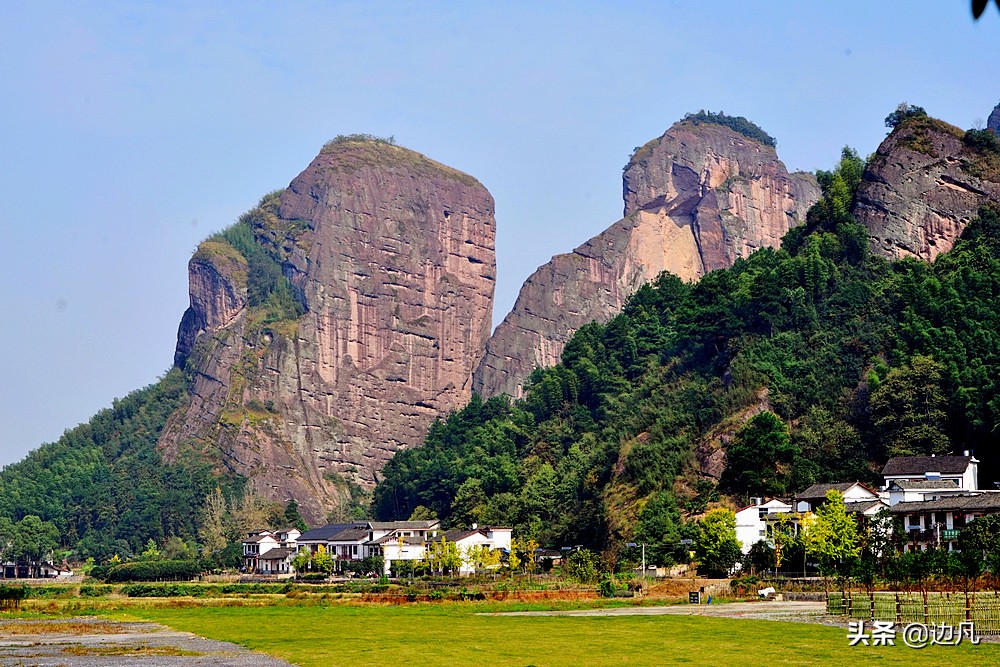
(452, 634)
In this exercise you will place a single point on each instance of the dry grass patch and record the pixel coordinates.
(128, 650)
(69, 627)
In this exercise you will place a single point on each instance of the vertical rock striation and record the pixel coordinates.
(922, 188)
(392, 256)
(696, 199)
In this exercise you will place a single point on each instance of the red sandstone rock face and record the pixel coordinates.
(218, 289)
(921, 189)
(393, 255)
(696, 199)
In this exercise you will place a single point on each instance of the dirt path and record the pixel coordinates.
(803, 612)
(96, 642)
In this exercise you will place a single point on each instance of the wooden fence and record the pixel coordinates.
(950, 608)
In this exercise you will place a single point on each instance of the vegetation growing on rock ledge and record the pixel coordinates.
(738, 124)
(267, 287)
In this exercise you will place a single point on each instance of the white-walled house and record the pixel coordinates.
(397, 547)
(393, 540)
(491, 537)
(270, 552)
(815, 495)
(751, 521)
(920, 478)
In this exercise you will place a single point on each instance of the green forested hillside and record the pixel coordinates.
(847, 358)
(104, 485)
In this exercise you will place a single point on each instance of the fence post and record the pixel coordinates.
(850, 605)
(899, 609)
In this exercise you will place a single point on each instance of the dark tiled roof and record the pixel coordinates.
(984, 502)
(456, 535)
(907, 485)
(329, 530)
(351, 535)
(258, 538)
(862, 506)
(280, 553)
(918, 465)
(818, 491)
(405, 525)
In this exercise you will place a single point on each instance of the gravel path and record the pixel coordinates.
(97, 642)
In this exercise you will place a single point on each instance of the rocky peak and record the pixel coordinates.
(993, 122)
(696, 199)
(922, 187)
(391, 257)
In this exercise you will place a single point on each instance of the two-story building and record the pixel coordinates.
(751, 521)
(910, 478)
(270, 552)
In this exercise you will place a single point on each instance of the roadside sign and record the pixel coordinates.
(694, 597)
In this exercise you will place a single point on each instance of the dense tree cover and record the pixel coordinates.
(30, 541)
(717, 549)
(104, 486)
(736, 123)
(854, 359)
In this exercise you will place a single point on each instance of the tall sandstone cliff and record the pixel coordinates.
(922, 187)
(696, 199)
(993, 122)
(392, 257)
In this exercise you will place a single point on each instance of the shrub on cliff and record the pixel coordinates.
(735, 123)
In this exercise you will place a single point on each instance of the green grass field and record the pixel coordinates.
(453, 634)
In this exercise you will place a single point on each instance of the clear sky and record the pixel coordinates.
(132, 130)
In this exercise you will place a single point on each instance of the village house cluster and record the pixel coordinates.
(936, 496)
(271, 552)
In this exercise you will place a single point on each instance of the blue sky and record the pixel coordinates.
(133, 130)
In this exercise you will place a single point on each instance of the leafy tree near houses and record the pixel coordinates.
(522, 555)
(909, 409)
(760, 559)
(301, 561)
(292, 518)
(717, 548)
(481, 557)
(323, 561)
(832, 537)
(30, 539)
(443, 556)
(469, 503)
(583, 565)
(759, 460)
(421, 513)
